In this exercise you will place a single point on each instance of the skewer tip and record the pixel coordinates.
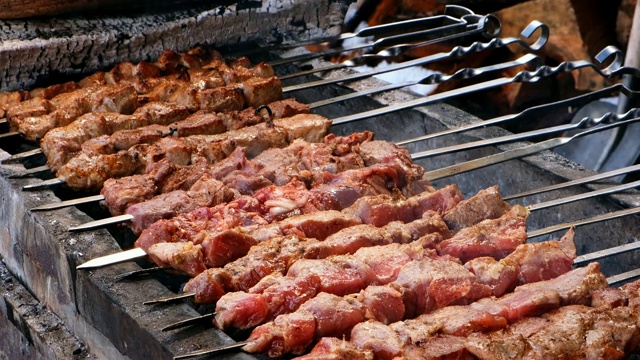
(92, 225)
(43, 185)
(188, 322)
(123, 256)
(220, 349)
(170, 299)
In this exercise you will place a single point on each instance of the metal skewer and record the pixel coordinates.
(451, 16)
(217, 350)
(9, 134)
(585, 180)
(137, 253)
(533, 112)
(22, 156)
(30, 172)
(189, 322)
(584, 123)
(615, 279)
(435, 78)
(457, 23)
(44, 185)
(457, 51)
(515, 153)
(488, 25)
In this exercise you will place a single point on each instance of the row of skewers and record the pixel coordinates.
(281, 223)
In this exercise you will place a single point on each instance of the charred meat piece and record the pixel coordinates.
(496, 238)
(86, 172)
(486, 204)
(62, 143)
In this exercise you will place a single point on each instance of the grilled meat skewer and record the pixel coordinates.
(35, 118)
(109, 133)
(391, 264)
(84, 172)
(268, 205)
(206, 285)
(373, 212)
(198, 186)
(169, 62)
(279, 337)
(275, 166)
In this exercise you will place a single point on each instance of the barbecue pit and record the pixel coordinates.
(106, 319)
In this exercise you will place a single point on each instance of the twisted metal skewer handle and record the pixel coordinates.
(611, 70)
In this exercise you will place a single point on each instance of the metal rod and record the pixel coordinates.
(31, 171)
(189, 322)
(170, 299)
(531, 112)
(92, 225)
(606, 253)
(127, 255)
(615, 279)
(491, 30)
(22, 156)
(513, 154)
(466, 73)
(584, 123)
(9, 135)
(139, 272)
(585, 180)
(435, 28)
(67, 203)
(43, 185)
(214, 351)
(592, 220)
(456, 52)
(588, 195)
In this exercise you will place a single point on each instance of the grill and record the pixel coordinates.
(94, 316)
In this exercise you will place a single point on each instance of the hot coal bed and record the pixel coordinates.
(52, 310)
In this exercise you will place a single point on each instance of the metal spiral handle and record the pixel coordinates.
(609, 53)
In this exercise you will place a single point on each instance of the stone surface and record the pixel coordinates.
(35, 50)
(28, 330)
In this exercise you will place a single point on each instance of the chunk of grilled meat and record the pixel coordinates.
(574, 331)
(106, 133)
(88, 173)
(169, 62)
(495, 237)
(62, 143)
(301, 159)
(338, 275)
(65, 108)
(310, 225)
(443, 332)
(203, 89)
